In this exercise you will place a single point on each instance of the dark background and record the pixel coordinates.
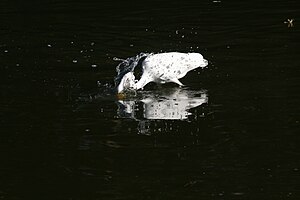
(60, 133)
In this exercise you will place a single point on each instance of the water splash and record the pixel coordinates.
(104, 91)
(128, 65)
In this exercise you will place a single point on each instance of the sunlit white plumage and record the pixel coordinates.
(163, 68)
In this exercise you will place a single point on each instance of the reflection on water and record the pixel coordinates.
(165, 106)
(171, 105)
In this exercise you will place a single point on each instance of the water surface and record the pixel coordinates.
(65, 135)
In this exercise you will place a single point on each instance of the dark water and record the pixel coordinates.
(231, 133)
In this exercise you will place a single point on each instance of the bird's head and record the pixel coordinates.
(127, 82)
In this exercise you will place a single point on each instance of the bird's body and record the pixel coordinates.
(163, 68)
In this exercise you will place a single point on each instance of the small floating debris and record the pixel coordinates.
(49, 45)
(94, 65)
(6, 51)
(289, 22)
(238, 193)
(191, 183)
(74, 61)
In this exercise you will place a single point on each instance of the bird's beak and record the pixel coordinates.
(121, 96)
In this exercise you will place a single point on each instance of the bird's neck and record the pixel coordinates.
(142, 82)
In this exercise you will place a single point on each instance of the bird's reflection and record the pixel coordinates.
(171, 104)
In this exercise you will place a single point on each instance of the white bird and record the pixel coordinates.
(162, 68)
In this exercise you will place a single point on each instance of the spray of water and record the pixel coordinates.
(127, 65)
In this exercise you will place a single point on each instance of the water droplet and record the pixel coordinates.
(87, 130)
(92, 43)
(176, 32)
(94, 65)
(238, 193)
(131, 45)
(6, 51)
(18, 65)
(49, 45)
(182, 36)
(75, 61)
